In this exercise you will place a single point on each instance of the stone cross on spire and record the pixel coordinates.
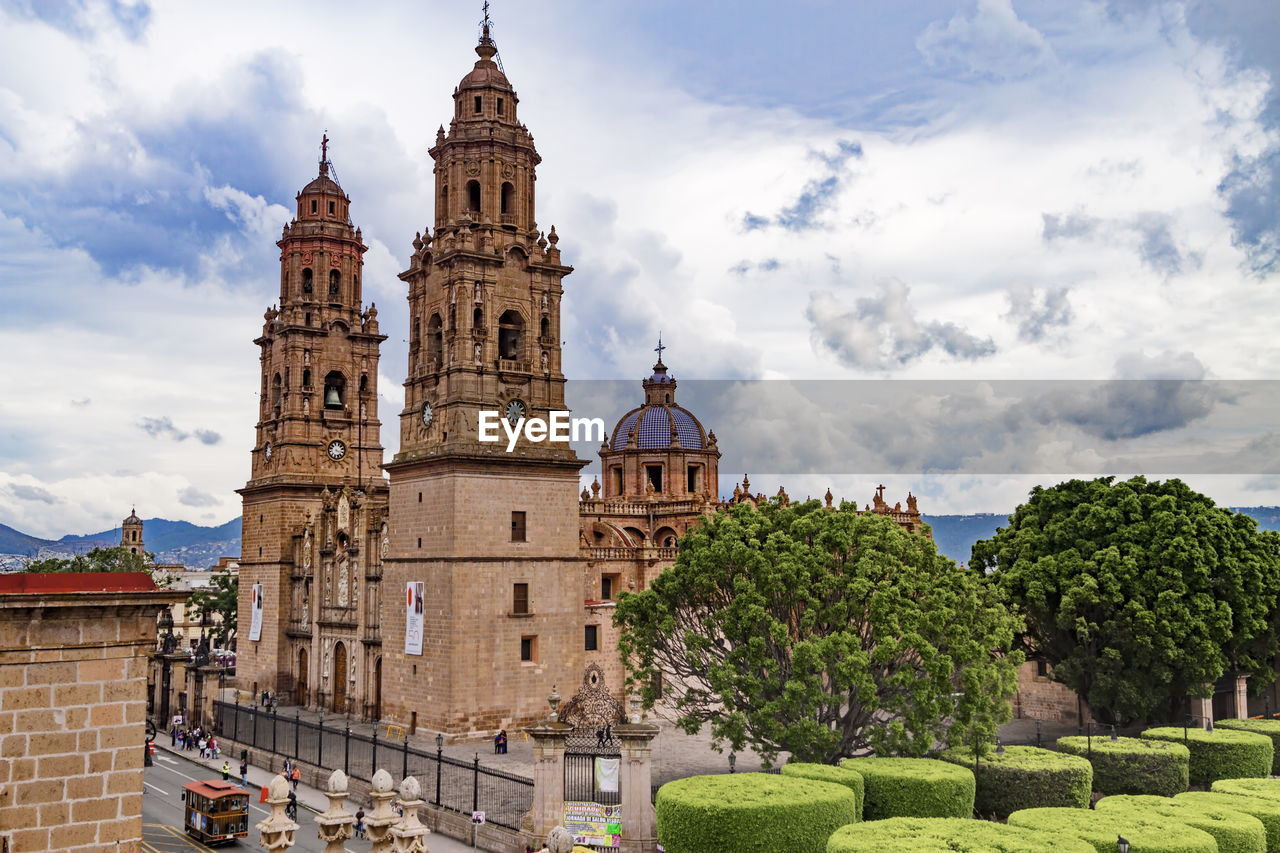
(324, 153)
(659, 348)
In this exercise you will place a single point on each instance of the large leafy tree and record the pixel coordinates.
(219, 598)
(116, 559)
(820, 632)
(1138, 593)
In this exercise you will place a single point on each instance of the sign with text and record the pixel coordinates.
(414, 591)
(255, 620)
(594, 824)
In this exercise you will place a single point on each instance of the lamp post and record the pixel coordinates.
(1113, 732)
(733, 762)
(1122, 844)
(999, 747)
(166, 666)
(439, 762)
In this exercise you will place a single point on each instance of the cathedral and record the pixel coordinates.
(452, 594)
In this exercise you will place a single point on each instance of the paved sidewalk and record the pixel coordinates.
(309, 798)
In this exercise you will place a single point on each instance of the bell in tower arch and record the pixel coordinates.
(331, 398)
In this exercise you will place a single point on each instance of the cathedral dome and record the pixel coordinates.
(324, 184)
(486, 74)
(652, 425)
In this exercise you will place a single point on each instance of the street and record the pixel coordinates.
(162, 811)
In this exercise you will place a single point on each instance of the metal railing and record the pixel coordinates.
(460, 786)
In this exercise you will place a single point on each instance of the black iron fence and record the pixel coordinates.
(460, 786)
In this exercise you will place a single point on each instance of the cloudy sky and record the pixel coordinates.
(947, 189)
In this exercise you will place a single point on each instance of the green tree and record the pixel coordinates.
(820, 632)
(1138, 593)
(219, 598)
(116, 559)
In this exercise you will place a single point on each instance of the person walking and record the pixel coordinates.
(296, 776)
(359, 823)
(226, 771)
(181, 737)
(291, 810)
(213, 748)
(173, 736)
(204, 747)
(244, 774)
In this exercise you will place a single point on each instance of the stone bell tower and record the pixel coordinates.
(492, 534)
(318, 449)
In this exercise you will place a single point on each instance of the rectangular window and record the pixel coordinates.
(518, 531)
(1042, 668)
(654, 475)
(331, 208)
(695, 480)
(313, 205)
(520, 598)
(479, 105)
(606, 588)
(529, 649)
(592, 638)
(616, 473)
(501, 105)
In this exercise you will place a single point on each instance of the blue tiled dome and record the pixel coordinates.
(653, 431)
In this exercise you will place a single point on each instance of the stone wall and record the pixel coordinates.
(1041, 698)
(73, 682)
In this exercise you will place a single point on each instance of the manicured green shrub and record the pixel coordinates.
(1131, 765)
(1221, 753)
(1147, 835)
(932, 834)
(1268, 789)
(1024, 777)
(851, 779)
(1235, 831)
(1268, 727)
(914, 787)
(751, 812)
(1265, 810)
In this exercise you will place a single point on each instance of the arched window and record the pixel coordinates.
(477, 318)
(277, 392)
(306, 280)
(473, 196)
(508, 198)
(544, 328)
(444, 201)
(364, 383)
(335, 390)
(435, 339)
(510, 327)
(306, 378)
(334, 285)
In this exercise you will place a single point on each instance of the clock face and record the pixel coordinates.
(428, 414)
(515, 411)
(337, 449)
(267, 450)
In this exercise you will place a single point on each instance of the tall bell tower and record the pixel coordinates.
(492, 534)
(318, 432)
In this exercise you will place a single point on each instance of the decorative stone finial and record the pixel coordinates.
(336, 824)
(410, 788)
(279, 788)
(554, 701)
(277, 831)
(382, 782)
(337, 782)
(828, 498)
(552, 236)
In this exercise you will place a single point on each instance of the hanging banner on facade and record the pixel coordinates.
(594, 824)
(413, 616)
(255, 620)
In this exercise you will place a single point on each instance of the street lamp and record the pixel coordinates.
(439, 762)
(1113, 732)
(999, 747)
(1122, 844)
(733, 762)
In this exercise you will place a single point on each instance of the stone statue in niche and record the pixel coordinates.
(386, 542)
(343, 590)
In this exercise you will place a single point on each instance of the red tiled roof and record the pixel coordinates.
(18, 583)
(214, 788)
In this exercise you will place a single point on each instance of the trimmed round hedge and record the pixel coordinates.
(1267, 727)
(1131, 765)
(1267, 811)
(932, 834)
(851, 779)
(1268, 789)
(914, 787)
(1148, 835)
(1235, 831)
(1024, 777)
(1221, 753)
(751, 812)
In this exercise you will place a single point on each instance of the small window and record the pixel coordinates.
(334, 283)
(477, 318)
(502, 107)
(508, 198)
(331, 208)
(616, 475)
(520, 598)
(307, 286)
(606, 588)
(518, 531)
(591, 641)
(313, 206)
(529, 649)
(306, 378)
(306, 319)
(419, 497)
(1042, 668)
(695, 479)
(479, 104)
(654, 474)
(419, 541)
(473, 196)
(544, 327)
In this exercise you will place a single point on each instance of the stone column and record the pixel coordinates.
(548, 775)
(1242, 696)
(1202, 710)
(380, 818)
(336, 824)
(409, 835)
(639, 823)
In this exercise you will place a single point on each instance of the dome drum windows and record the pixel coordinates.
(473, 196)
(308, 285)
(335, 283)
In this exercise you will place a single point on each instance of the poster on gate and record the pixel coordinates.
(594, 824)
(255, 620)
(414, 591)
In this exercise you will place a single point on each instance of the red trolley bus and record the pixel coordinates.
(215, 811)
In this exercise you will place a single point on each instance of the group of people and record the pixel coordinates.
(500, 742)
(193, 739)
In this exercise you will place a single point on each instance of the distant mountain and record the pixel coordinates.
(201, 547)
